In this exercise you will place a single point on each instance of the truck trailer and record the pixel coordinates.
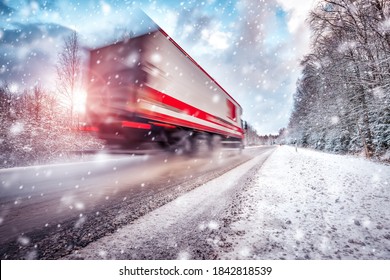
(147, 89)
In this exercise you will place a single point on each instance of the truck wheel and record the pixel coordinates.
(184, 147)
(214, 143)
(180, 142)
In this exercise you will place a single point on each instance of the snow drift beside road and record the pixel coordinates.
(312, 205)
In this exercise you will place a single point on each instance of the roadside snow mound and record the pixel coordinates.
(312, 205)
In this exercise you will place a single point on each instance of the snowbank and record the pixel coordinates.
(312, 205)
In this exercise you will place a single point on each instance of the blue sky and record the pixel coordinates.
(251, 47)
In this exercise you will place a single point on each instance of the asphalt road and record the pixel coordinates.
(49, 212)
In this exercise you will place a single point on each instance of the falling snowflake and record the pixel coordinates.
(184, 255)
(80, 222)
(335, 120)
(17, 128)
(23, 240)
(213, 225)
(216, 98)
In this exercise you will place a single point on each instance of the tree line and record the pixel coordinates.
(342, 98)
(252, 138)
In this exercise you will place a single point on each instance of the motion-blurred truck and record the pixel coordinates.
(147, 89)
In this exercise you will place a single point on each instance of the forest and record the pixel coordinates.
(33, 131)
(342, 98)
(39, 126)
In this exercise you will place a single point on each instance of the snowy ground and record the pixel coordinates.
(297, 205)
(312, 205)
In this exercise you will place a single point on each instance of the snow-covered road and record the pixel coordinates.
(48, 211)
(181, 228)
(298, 205)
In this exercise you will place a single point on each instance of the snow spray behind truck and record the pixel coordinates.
(148, 89)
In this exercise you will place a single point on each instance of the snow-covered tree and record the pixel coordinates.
(32, 130)
(341, 103)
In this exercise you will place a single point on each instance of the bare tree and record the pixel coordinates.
(68, 73)
(37, 103)
(37, 106)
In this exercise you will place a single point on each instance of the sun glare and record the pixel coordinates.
(80, 98)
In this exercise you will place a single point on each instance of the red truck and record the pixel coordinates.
(148, 89)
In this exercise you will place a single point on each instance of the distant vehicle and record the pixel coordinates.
(148, 89)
